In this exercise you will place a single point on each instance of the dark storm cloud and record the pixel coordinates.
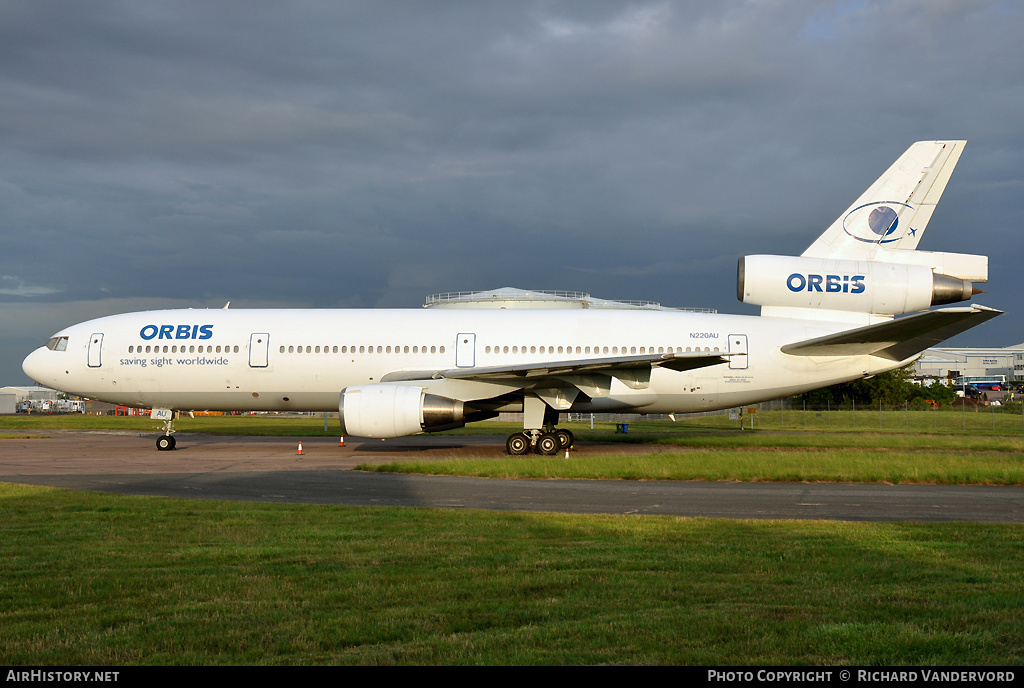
(360, 154)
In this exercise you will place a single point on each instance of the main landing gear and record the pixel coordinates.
(546, 442)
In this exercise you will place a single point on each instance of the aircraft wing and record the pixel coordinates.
(615, 366)
(896, 340)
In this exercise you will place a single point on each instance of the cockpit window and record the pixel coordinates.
(57, 344)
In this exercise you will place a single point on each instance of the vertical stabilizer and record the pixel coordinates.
(894, 212)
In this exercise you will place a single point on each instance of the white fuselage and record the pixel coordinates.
(300, 360)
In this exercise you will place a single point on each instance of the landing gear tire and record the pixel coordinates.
(548, 444)
(165, 442)
(565, 438)
(517, 444)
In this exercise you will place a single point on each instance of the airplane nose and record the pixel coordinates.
(34, 365)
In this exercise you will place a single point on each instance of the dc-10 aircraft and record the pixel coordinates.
(827, 316)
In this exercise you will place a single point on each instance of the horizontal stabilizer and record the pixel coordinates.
(896, 340)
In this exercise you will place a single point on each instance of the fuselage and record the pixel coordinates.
(300, 360)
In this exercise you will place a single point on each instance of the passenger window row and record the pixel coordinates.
(175, 349)
(209, 349)
(361, 349)
(613, 350)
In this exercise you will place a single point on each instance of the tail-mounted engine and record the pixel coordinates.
(846, 285)
(384, 410)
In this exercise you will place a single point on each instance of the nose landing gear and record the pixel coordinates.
(166, 441)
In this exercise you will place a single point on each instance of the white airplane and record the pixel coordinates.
(827, 317)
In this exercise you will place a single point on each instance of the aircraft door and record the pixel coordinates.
(738, 345)
(465, 350)
(259, 350)
(96, 350)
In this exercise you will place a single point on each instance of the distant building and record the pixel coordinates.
(32, 393)
(947, 363)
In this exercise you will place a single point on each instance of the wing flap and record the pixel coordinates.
(896, 340)
(626, 367)
(610, 366)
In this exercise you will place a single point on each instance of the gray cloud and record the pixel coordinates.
(366, 154)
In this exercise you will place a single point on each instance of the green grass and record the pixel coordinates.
(956, 468)
(269, 425)
(94, 579)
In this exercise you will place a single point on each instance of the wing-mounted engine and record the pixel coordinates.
(388, 410)
(857, 286)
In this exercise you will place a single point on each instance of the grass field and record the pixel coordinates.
(94, 579)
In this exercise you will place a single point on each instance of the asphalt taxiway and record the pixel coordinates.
(270, 469)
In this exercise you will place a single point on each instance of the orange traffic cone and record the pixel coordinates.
(342, 444)
(300, 448)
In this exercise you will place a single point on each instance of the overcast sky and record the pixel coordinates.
(365, 154)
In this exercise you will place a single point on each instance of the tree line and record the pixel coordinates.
(893, 388)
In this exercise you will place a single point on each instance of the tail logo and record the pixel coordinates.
(876, 223)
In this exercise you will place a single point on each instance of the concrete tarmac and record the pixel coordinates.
(270, 469)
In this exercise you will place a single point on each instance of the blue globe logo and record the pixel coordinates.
(882, 220)
(875, 222)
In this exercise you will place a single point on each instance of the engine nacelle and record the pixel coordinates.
(384, 410)
(860, 286)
